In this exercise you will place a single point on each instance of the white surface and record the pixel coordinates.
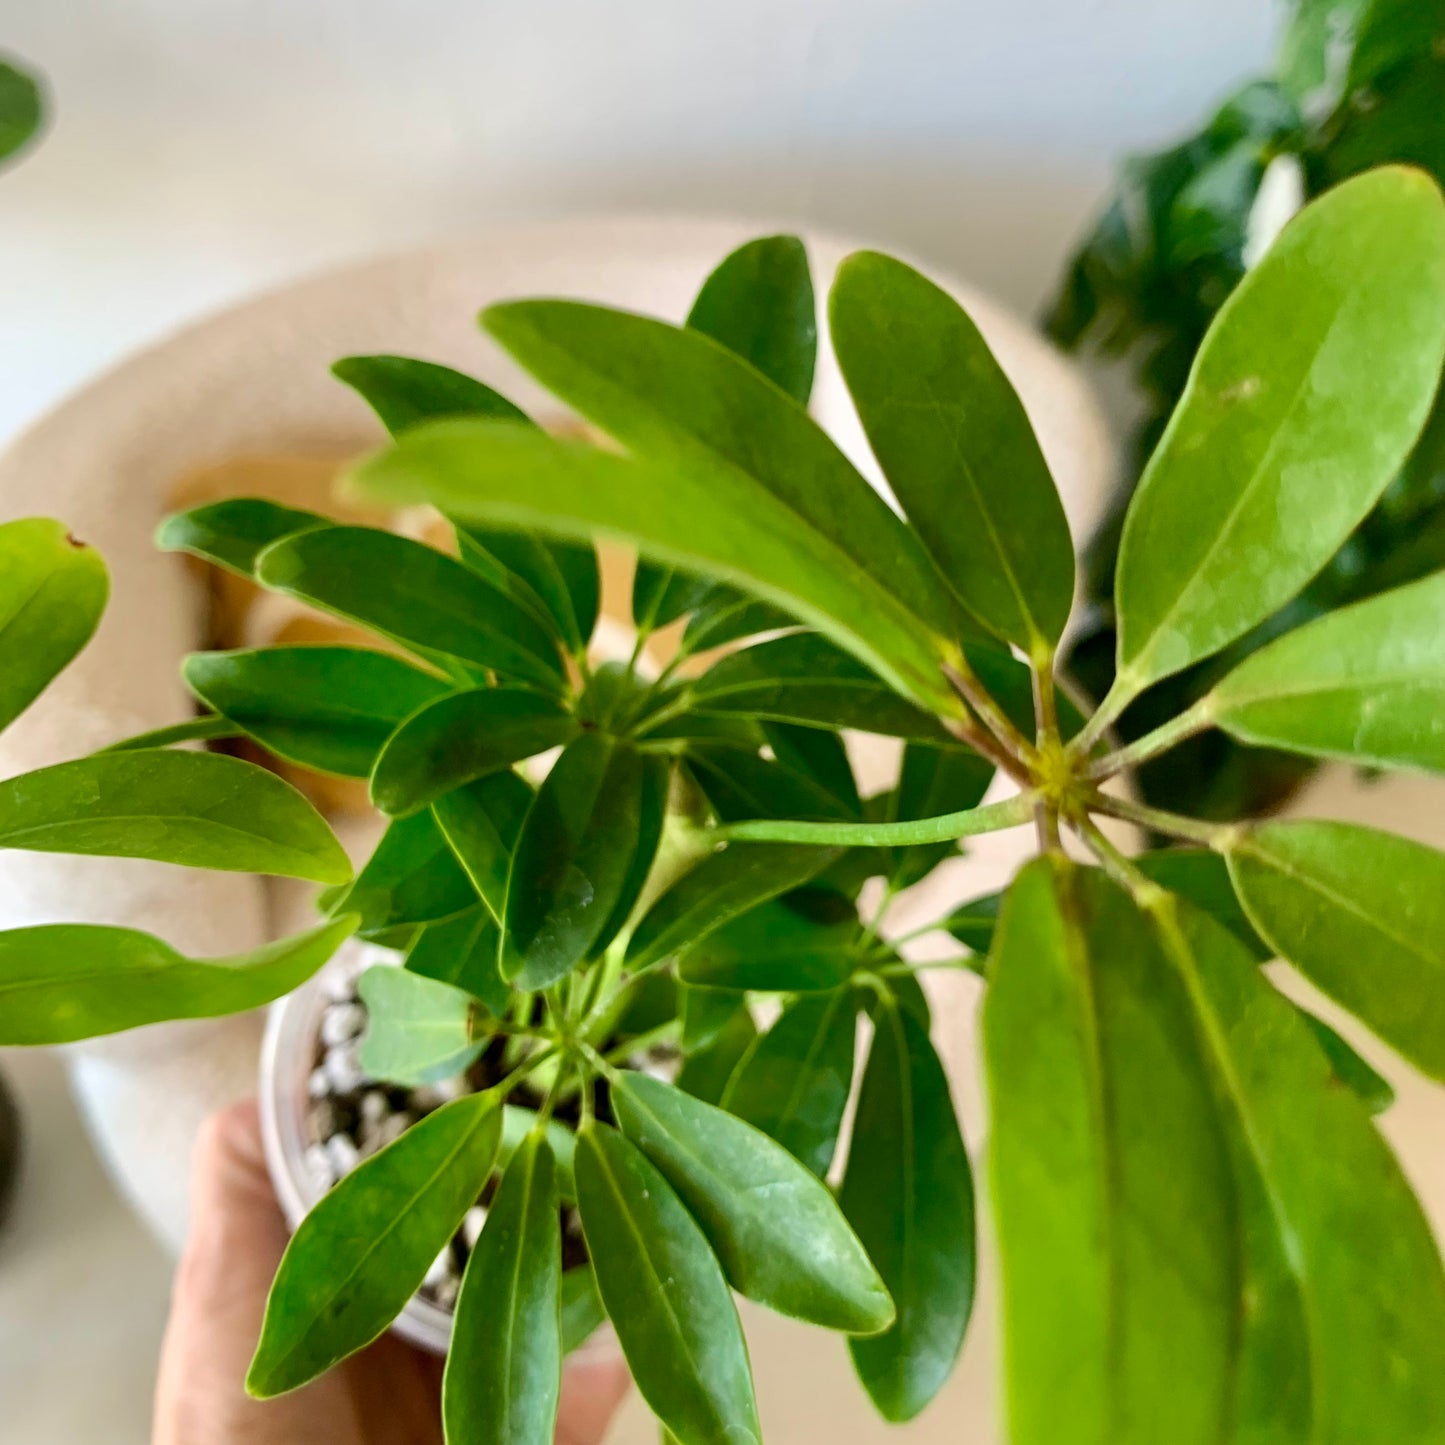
(205, 148)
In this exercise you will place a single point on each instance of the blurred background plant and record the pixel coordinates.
(1357, 83)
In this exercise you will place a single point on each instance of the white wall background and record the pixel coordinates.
(205, 148)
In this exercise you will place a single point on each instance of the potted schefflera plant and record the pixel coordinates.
(1202, 1236)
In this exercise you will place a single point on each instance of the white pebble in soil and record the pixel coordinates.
(341, 1150)
(317, 1162)
(375, 1137)
(443, 1267)
(343, 1069)
(341, 1023)
(472, 1224)
(318, 1083)
(375, 1107)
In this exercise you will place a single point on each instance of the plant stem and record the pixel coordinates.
(1195, 830)
(1187, 725)
(960, 963)
(966, 730)
(1117, 866)
(1120, 696)
(966, 684)
(967, 824)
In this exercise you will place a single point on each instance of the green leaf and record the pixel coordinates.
(933, 781)
(582, 1311)
(558, 580)
(1372, 1318)
(676, 395)
(1310, 390)
(404, 392)
(739, 784)
(908, 1191)
(1373, 1091)
(759, 304)
(22, 109)
(1362, 915)
(692, 513)
(575, 871)
(418, 1030)
(803, 678)
(482, 822)
(725, 615)
(457, 739)
(200, 729)
(806, 942)
(703, 1013)
(794, 1082)
(202, 810)
(774, 1226)
(65, 981)
(666, 1295)
(411, 877)
(956, 445)
(504, 1367)
(1366, 684)
(235, 532)
(52, 592)
(430, 602)
(518, 1124)
(721, 887)
(1121, 1283)
(462, 951)
(819, 757)
(705, 1075)
(975, 923)
(328, 708)
(364, 1249)
(1203, 879)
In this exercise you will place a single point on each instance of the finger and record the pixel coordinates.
(591, 1393)
(218, 1300)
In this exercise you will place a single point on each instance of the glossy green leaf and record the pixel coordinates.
(411, 877)
(759, 304)
(1310, 389)
(560, 580)
(956, 445)
(518, 1123)
(660, 594)
(794, 1082)
(504, 1367)
(202, 810)
(21, 109)
(235, 532)
(364, 1249)
(462, 737)
(803, 678)
(818, 756)
(676, 395)
(931, 782)
(666, 1295)
(691, 513)
(908, 1192)
(1203, 879)
(721, 887)
(1362, 915)
(574, 872)
(200, 729)
(1372, 1090)
(582, 1309)
(430, 602)
(65, 981)
(328, 708)
(1373, 1316)
(419, 1030)
(774, 1226)
(975, 923)
(703, 1013)
(1366, 684)
(481, 822)
(52, 592)
(404, 392)
(806, 942)
(1121, 1276)
(725, 615)
(705, 1075)
(462, 951)
(739, 783)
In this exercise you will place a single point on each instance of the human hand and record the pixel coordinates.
(389, 1394)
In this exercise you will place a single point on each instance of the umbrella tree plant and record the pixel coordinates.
(1203, 1237)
